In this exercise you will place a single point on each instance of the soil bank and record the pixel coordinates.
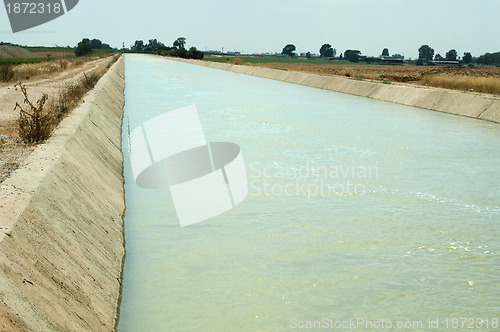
(61, 222)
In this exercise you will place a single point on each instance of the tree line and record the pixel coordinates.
(86, 46)
(177, 50)
(425, 55)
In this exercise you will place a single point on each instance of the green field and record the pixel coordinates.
(63, 49)
(19, 61)
(48, 49)
(278, 59)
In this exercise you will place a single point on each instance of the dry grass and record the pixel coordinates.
(13, 149)
(45, 69)
(37, 120)
(54, 55)
(27, 71)
(6, 72)
(71, 96)
(466, 83)
(477, 79)
(114, 58)
(237, 61)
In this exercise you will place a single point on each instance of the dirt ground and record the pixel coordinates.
(54, 55)
(395, 73)
(15, 52)
(12, 150)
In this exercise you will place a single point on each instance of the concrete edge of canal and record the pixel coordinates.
(61, 234)
(472, 105)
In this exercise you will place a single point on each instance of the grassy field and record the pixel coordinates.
(20, 61)
(48, 49)
(11, 70)
(37, 49)
(483, 79)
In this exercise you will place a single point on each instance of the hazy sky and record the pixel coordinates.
(268, 25)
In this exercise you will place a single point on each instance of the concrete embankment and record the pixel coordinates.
(61, 222)
(455, 102)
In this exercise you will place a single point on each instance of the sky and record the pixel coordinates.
(257, 26)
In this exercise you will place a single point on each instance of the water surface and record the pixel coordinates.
(357, 208)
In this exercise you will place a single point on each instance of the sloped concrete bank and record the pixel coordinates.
(61, 225)
(455, 102)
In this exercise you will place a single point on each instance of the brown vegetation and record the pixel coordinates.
(237, 61)
(71, 95)
(65, 91)
(28, 71)
(477, 79)
(54, 55)
(34, 123)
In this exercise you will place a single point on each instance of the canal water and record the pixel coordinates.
(357, 209)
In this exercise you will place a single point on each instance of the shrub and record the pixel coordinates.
(63, 64)
(34, 125)
(84, 48)
(72, 94)
(6, 72)
(90, 81)
(193, 53)
(179, 53)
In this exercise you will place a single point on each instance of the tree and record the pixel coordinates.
(180, 42)
(193, 53)
(385, 52)
(326, 51)
(489, 59)
(451, 55)
(138, 46)
(179, 52)
(467, 58)
(154, 45)
(438, 57)
(425, 52)
(84, 47)
(288, 50)
(96, 44)
(352, 55)
(105, 46)
(308, 55)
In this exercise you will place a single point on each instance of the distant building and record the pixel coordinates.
(446, 63)
(390, 60)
